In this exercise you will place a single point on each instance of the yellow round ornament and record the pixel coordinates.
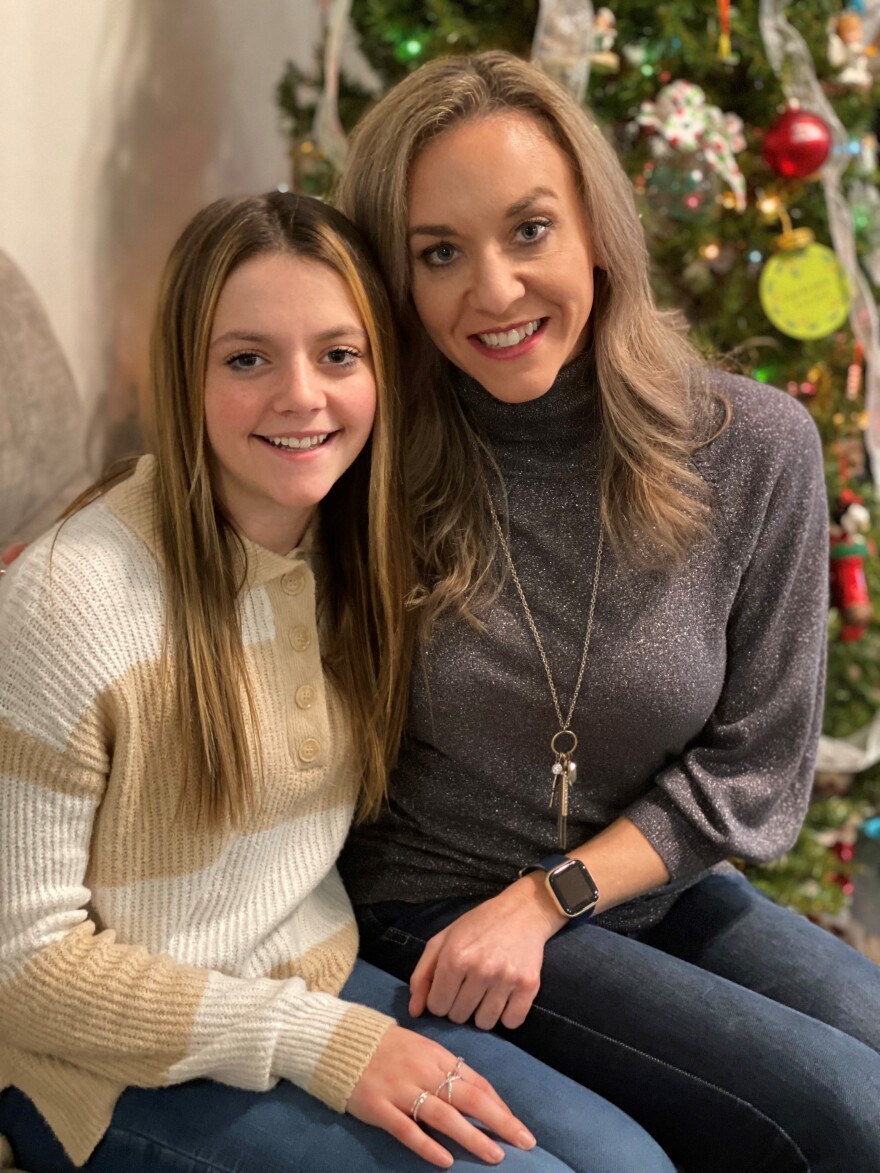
(805, 292)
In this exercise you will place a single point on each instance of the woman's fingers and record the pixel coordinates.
(472, 993)
(423, 976)
(493, 1006)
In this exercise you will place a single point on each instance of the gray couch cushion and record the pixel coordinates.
(42, 427)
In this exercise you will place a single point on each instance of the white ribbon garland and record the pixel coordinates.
(327, 128)
(790, 58)
(850, 755)
(563, 43)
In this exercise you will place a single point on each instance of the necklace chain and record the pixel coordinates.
(564, 723)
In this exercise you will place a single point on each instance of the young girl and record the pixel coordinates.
(201, 676)
(641, 695)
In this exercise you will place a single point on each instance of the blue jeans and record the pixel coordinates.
(743, 1037)
(206, 1127)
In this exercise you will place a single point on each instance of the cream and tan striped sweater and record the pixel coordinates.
(135, 950)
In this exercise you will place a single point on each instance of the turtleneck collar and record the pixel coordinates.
(547, 433)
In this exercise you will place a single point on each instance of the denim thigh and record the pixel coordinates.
(207, 1127)
(710, 1031)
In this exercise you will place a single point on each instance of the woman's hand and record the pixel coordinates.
(404, 1065)
(488, 962)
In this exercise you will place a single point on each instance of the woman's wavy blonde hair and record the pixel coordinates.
(656, 404)
(363, 523)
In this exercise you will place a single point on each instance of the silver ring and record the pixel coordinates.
(451, 1077)
(416, 1105)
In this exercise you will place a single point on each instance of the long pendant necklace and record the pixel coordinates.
(564, 741)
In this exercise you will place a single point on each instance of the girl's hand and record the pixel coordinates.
(9, 555)
(404, 1065)
(488, 962)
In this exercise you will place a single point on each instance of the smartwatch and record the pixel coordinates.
(572, 887)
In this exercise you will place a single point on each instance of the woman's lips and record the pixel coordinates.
(505, 353)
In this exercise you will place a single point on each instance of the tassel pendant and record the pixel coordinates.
(564, 773)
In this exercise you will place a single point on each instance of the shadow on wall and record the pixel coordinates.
(164, 136)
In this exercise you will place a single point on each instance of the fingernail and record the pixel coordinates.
(495, 1153)
(525, 1139)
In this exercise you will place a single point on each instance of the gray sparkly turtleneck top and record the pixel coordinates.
(700, 708)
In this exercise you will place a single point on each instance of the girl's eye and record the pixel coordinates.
(343, 356)
(438, 256)
(533, 230)
(245, 361)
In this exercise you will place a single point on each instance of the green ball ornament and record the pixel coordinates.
(683, 187)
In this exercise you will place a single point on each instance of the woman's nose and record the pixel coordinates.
(496, 285)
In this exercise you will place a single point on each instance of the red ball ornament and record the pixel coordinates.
(797, 144)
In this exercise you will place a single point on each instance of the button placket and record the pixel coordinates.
(296, 624)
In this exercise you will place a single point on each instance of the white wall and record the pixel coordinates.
(118, 120)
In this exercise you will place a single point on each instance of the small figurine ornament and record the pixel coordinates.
(562, 44)
(848, 52)
(604, 36)
(849, 587)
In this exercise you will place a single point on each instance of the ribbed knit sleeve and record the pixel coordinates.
(743, 786)
(84, 1011)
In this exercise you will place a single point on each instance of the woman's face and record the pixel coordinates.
(502, 262)
(289, 393)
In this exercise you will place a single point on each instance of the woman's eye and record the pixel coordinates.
(343, 356)
(439, 255)
(533, 230)
(246, 361)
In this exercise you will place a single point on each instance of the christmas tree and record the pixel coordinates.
(726, 170)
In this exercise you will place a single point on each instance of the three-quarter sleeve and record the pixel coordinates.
(742, 787)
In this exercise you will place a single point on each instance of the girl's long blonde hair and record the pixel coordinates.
(656, 404)
(363, 524)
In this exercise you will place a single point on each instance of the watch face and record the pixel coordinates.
(573, 887)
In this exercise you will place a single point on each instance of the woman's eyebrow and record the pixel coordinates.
(515, 209)
(526, 202)
(431, 230)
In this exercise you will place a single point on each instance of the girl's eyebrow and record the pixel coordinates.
(345, 330)
(239, 336)
(515, 209)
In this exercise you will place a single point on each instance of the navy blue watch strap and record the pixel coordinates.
(547, 864)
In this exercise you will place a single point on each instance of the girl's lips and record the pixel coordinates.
(503, 353)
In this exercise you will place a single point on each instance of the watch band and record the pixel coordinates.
(547, 864)
(571, 886)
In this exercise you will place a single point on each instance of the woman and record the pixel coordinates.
(192, 669)
(622, 560)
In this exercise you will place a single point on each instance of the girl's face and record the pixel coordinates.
(502, 262)
(290, 394)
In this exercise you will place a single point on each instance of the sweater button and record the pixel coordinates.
(305, 696)
(293, 582)
(299, 638)
(309, 749)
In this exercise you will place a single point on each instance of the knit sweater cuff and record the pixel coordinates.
(347, 1052)
(678, 843)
